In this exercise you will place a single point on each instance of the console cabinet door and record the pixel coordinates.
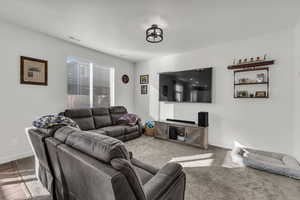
(161, 131)
(196, 136)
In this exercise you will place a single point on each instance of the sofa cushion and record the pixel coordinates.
(114, 131)
(116, 112)
(131, 129)
(101, 117)
(101, 147)
(83, 117)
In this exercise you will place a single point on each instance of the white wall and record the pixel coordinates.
(21, 104)
(297, 92)
(259, 123)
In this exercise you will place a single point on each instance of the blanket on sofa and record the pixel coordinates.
(129, 118)
(49, 121)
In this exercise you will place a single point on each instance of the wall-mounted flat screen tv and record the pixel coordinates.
(186, 86)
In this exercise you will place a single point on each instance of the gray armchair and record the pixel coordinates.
(84, 165)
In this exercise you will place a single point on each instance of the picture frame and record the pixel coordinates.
(144, 89)
(144, 79)
(33, 71)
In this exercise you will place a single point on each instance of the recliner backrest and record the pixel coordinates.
(116, 112)
(81, 163)
(83, 117)
(101, 147)
(84, 177)
(101, 117)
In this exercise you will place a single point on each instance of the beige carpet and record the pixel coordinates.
(210, 175)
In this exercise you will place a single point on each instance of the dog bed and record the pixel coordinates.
(276, 163)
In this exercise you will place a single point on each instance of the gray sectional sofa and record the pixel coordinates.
(105, 121)
(84, 165)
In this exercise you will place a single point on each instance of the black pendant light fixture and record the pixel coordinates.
(154, 34)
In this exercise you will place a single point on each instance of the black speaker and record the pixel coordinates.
(203, 119)
(173, 133)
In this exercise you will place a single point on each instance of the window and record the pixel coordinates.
(89, 85)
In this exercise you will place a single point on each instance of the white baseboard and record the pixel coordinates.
(15, 157)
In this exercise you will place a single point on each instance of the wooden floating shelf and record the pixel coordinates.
(251, 97)
(251, 64)
(251, 69)
(262, 83)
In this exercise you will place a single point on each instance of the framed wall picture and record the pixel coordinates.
(144, 89)
(144, 79)
(33, 71)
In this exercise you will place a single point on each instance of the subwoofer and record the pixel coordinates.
(203, 119)
(173, 133)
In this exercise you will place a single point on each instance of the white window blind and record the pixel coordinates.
(89, 85)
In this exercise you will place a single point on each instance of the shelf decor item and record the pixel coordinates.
(33, 71)
(243, 93)
(244, 80)
(260, 78)
(144, 79)
(260, 94)
(125, 79)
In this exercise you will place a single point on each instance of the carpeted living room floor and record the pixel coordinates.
(210, 174)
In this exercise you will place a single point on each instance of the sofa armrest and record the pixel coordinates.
(140, 125)
(166, 180)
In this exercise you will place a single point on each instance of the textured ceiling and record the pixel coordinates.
(117, 27)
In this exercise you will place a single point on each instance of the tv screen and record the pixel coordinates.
(186, 86)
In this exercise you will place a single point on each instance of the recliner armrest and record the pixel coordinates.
(163, 181)
(144, 166)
